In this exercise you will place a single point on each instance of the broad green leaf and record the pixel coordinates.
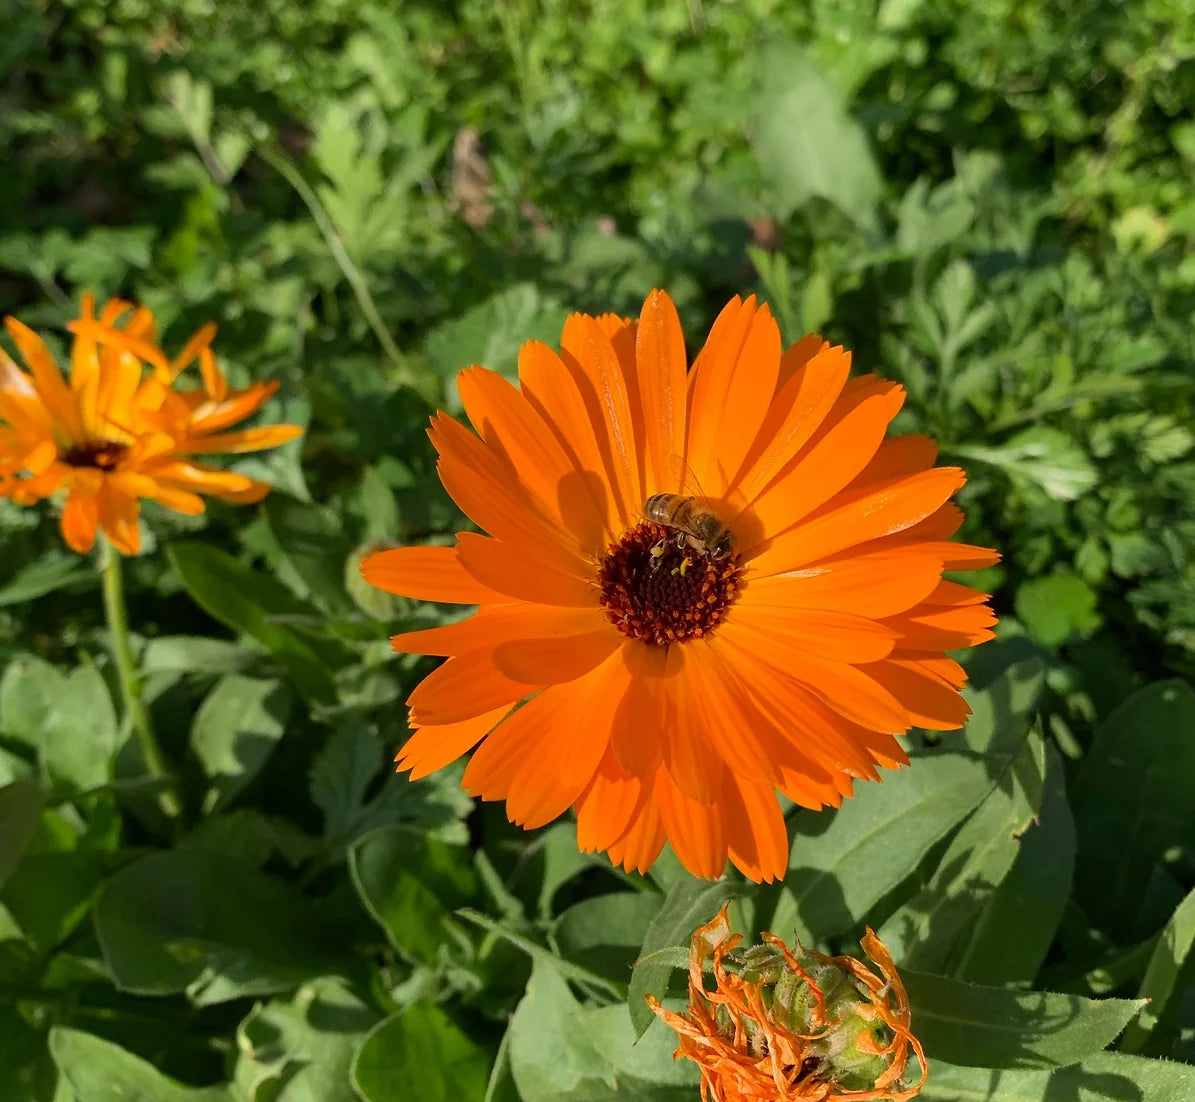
(605, 933)
(301, 1049)
(411, 884)
(1012, 936)
(806, 142)
(343, 774)
(246, 600)
(934, 929)
(492, 332)
(1169, 975)
(1106, 1077)
(99, 1071)
(20, 805)
(311, 546)
(235, 731)
(68, 719)
(1134, 803)
(199, 921)
(421, 1053)
(689, 904)
(550, 1051)
(647, 1058)
(1057, 608)
(45, 575)
(195, 654)
(26, 1070)
(995, 1027)
(50, 892)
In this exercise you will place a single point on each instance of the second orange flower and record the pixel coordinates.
(697, 587)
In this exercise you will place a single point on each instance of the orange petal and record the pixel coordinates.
(119, 516)
(940, 628)
(550, 660)
(489, 626)
(491, 493)
(689, 756)
(661, 369)
(243, 440)
(876, 585)
(121, 339)
(885, 510)
(929, 701)
(696, 830)
(589, 354)
(838, 453)
(463, 687)
(80, 519)
(799, 409)
(426, 574)
(735, 382)
(838, 636)
(637, 849)
(900, 456)
(56, 396)
(504, 568)
(755, 832)
(637, 741)
(509, 424)
(432, 748)
(553, 390)
(607, 806)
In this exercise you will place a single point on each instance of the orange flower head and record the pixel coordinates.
(799, 1026)
(118, 430)
(697, 587)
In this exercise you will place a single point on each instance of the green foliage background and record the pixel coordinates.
(989, 202)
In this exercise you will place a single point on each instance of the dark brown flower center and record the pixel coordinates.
(103, 455)
(661, 586)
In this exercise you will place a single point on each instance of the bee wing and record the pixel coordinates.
(683, 480)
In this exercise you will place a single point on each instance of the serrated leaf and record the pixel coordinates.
(1042, 459)
(1057, 607)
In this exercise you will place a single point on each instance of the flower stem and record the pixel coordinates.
(130, 683)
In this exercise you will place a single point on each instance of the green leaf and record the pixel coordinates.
(302, 1049)
(343, 773)
(648, 1058)
(1107, 1077)
(420, 1053)
(807, 144)
(246, 600)
(45, 575)
(99, 1071)
(411, 884)
(1168, 976)
(195, 654)
(1134, 803)
(550, 1051)
(934, 929)
(995, 1027)
(1040, 459)
(1013, 934)
(689, 904)
(493, 331)
(235, 731)
(605, 933)
(69, 720)
(198, 921)
(50, 892)
(311, 547)
(20, 805)
(1057, 607)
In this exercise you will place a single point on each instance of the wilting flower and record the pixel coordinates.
(798, 1026)
(678, 661)
(119, 430)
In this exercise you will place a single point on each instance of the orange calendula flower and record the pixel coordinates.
(794, 1026)
(698, 586)
(118, 430)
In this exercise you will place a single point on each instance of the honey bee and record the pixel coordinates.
(701, 529)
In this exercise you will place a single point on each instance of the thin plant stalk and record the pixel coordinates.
(130, 682)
